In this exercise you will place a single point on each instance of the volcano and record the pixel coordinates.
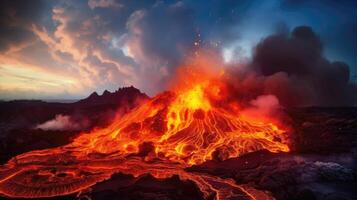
(162, 137)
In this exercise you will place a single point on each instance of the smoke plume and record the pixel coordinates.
(293, 68)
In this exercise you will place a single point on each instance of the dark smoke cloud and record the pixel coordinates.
(293, 68)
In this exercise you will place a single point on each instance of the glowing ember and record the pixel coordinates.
(172, 131)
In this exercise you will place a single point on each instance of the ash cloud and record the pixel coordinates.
(292, 66)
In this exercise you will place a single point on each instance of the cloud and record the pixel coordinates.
(72, 41)
(83, 46)
(16, 18)
(158, 39)
(103, 4)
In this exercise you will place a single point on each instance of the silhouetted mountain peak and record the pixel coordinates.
(106, 93)
(128, 94)
(94, 94)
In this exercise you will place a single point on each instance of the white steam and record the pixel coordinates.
(60, 122)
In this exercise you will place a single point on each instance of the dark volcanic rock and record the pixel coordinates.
(127, 187)
(290, 176)
(324, 130)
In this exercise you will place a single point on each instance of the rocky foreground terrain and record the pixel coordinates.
(321, 165)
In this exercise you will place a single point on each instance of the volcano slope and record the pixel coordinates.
(162, 137)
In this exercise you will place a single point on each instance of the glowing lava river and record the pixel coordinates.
(162, 137)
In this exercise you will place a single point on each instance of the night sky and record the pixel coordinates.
(68, 49)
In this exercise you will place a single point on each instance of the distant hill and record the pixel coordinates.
(25, 113)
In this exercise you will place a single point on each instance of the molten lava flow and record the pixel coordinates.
(184, 128)
(163, 136)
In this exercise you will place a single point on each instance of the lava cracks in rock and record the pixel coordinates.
(161, 137)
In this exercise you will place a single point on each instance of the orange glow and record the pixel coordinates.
(174, 130)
